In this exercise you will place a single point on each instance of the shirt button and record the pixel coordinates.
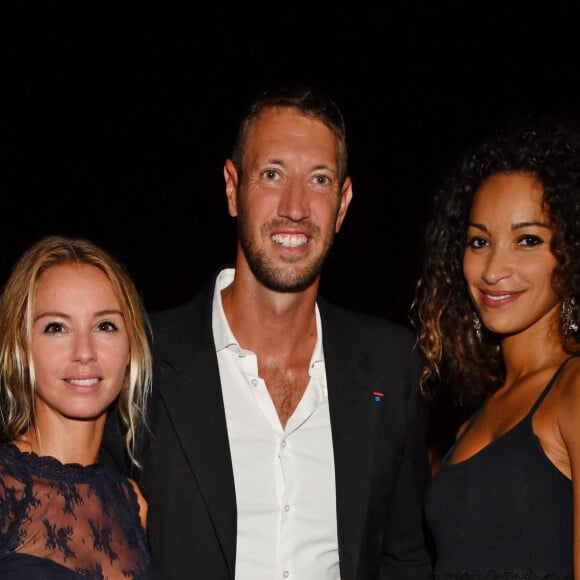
(284, 443)
(286, 508)
(285, 573)
(254, 382)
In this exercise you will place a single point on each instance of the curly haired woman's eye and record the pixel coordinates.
(530, 240)
(477, 242)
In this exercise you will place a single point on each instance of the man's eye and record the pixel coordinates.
(270, 174)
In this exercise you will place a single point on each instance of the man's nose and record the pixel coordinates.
(294, 202)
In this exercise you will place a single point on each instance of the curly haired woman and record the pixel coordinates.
(497, 317)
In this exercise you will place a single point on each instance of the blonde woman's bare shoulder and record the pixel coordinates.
(142, 503)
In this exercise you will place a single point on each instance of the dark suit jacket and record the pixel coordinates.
(379, 450)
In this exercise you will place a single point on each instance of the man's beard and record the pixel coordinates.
(281, 278)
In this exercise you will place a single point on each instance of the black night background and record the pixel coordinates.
(116, 120)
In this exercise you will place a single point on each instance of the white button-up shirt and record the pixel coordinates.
(284, 477)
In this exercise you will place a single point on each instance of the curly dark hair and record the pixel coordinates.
(442, 312)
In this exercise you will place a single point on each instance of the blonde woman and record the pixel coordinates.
(73, 342)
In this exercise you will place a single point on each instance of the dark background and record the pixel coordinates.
(116, 122)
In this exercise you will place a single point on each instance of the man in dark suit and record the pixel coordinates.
(287, 434)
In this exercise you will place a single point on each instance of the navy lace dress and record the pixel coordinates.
(67, 521)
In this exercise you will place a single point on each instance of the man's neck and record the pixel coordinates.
(263, 320)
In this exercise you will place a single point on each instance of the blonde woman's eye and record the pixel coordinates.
(108, 326)
(53, 328)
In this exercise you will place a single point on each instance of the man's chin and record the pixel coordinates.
(287, 282)
(288, 286)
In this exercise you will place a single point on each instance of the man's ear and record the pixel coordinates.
(345, 197)
(231, 177)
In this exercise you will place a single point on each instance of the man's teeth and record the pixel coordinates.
(83, 382)
(290, 241)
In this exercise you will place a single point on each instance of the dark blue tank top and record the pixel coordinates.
(506, 512)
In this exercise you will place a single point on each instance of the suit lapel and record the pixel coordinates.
(350, 460)
(191, 391)
(355, 417)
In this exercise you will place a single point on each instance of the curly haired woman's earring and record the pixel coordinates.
(569, 316)
(477, 326)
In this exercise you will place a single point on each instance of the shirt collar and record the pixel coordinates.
(222, 333)
(224, 337)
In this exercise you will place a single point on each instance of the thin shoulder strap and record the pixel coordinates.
(470, 422)
(551, 383)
